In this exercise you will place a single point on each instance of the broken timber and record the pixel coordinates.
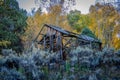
(52, 39)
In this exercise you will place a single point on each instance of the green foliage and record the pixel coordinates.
(4, 43)
(12, 24)
(67, 66)
(77, 20)
(88, 32)
(73, 18)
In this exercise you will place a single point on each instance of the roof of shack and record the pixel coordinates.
(71, 34)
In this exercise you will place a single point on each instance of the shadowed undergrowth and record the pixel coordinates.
(81, 64)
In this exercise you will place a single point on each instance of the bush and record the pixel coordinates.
(33, 65)
(10, 74)
(82, 63)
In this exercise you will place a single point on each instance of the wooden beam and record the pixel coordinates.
(38, 34)
(67, 42)
(50, 39)
(44, 44)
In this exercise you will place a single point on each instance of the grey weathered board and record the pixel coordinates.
(52, 40)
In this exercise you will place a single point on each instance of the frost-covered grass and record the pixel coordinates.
(81, 64)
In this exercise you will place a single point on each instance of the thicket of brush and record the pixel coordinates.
(81, 64)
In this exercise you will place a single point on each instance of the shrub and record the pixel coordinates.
(82, 63)
(10, 74)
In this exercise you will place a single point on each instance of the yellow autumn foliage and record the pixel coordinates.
(103, 24)
(4, 43)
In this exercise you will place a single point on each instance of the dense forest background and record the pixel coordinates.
(17, 29)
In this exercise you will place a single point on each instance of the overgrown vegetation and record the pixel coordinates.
(81, 64)
(17, 32)
(12, 24)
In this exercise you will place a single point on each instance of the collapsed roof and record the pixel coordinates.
(71, 34)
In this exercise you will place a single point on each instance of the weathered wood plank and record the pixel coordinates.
(53, 39)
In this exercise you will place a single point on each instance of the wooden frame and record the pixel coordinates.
(52, 40)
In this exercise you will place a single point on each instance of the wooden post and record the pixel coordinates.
(61, 51)
(50, 39)
(38, 34)
(59, 43)
(44, 44)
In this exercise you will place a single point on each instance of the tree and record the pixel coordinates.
(116, 34)
(88, 32)
(77, 20)
(36, 22)
(104, 18)
(47, 4)
(11, 26)
(56, 8)
(73, 18)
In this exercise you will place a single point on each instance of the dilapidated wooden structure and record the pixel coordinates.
(56, 39)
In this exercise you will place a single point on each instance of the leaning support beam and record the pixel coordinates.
(44, 44)
(38, 34)
(67, 43)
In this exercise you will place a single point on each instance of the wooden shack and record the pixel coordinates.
(56, 39)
